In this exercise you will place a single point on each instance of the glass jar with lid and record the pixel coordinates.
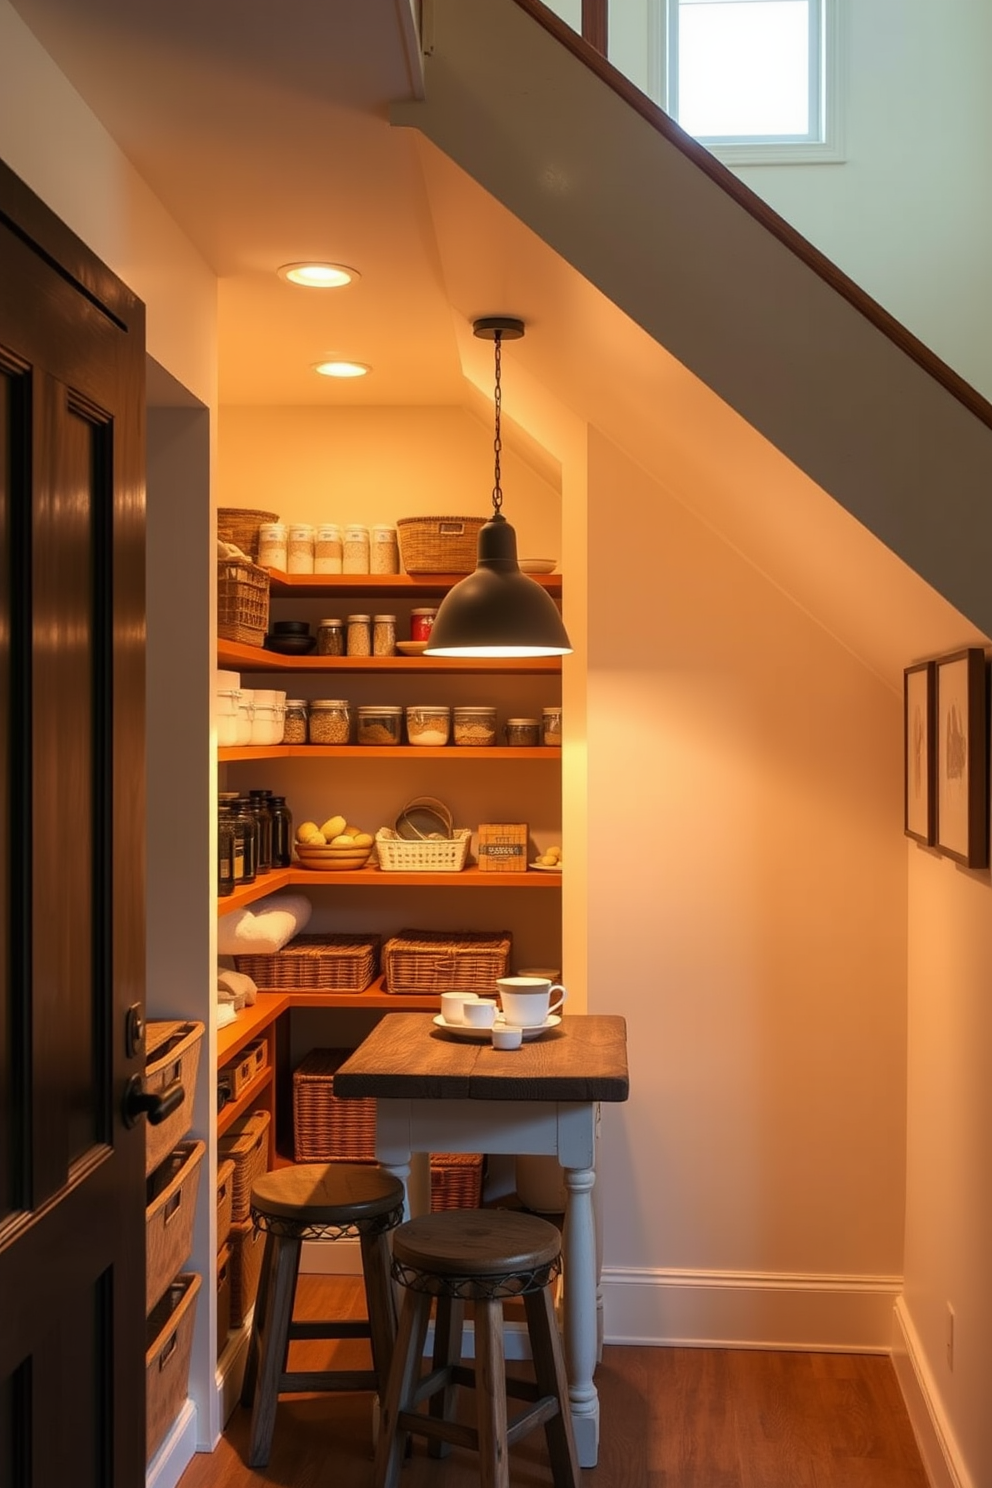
(259, 800)
(225, 850)
(327, 549)
(380, 724)
(330, 721)
(295, 723)
(522, 733)
(282, 832)
(551, 725)
(272, 549)
(383, 635)
(330, 637)
(359, 635)
(355, 549)
(245, 838)
(428, 726)
(474, 727)
(384, 553)
(299, 548)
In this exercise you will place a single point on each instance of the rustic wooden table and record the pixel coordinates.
(436, 1093)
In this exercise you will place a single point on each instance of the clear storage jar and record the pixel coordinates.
(379, 724)
(522, 733)
(356, 549)
(295, 728)
(429, 727)
(330, 637)
(299, 548)
(551, 726)
(359, 635)
(272, 549)
(383, 635)
(384, 553)
(330, 721)
(475, 727)
(328, 553)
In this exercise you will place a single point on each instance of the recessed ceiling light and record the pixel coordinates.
(341, 369)
(318, 275)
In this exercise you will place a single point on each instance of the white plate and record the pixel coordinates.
(411, 648)
(538, 565)
(546, 867)
(481, 1035)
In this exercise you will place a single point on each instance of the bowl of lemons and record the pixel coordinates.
(334, 847)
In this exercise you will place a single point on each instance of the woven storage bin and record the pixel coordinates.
(325, 1128)
(247, 1145)
(456, 1180)
(317, 963)
(223, 1297)
(239, 525)
(242, 602)
(169, 1214)
(439, 544)
(248, 1065)
(173, 1053)
(225, 1199)
(168, 1344)
(247, 1248)
(429, 855)
(435, 961)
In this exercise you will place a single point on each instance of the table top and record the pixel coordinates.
(406, 1057)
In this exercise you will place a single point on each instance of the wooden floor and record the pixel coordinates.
(671, 1418)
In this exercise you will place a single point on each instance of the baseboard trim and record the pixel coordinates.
(931, 1428)
(736, 1309)
(175, 1452)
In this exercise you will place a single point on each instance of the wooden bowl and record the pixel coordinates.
(324, 858)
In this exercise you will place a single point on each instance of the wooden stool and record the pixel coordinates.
(484, 1257)
(317, 1201)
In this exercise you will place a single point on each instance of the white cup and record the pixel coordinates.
(481, 1013)
(526, 1001)
(453, 1004)
(505, 1037)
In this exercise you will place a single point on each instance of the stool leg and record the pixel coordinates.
(273, 1344)
(448, 1318)
(403, 1376)
(258, 1316)
(490, 1395)
(380, 1301)
(549, 1370)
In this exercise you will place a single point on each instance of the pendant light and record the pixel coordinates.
(497, 610)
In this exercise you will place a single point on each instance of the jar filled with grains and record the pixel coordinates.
(380, 724)
(359, 635)
(330, 721)
(299, 556)
(475, 726)
(384, 553)
(428, 726)
(330, 637)
(522, 732)
(383, 635)
(356, 549)
(272, 551)
(295, 725)
(328, 554)
(551, 725)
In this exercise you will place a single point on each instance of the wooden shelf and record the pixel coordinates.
(268, 884)
(236, 656)
(231, 754)
(374, 878)
(255, 1018)
(228, 1114)
(248, 1024)
(385, 586)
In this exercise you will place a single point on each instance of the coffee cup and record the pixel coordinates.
(481, 1013)
(453, 1005)
(505, 1037)
(527, 1001)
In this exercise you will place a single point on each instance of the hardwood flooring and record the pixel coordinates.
(671, 1418)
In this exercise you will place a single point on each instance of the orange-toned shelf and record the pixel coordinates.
(230, 1113)
(374, 878)
(241, 658)
(231, 754)
(258, 1016)
(386, 586)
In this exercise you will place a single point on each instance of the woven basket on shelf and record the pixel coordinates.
(317, 963)
(239, 525)
(242, 602)
(456, 1180)
(429, 855)
(246, 1143)
(247, 1249)
(434, 961)
(439, 544)
(325, 1128)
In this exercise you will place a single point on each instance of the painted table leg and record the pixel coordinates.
(581, 1332)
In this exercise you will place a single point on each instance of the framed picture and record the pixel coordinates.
(919, 793)
(962, 763)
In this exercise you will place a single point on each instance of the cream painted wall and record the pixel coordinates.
(746, 908)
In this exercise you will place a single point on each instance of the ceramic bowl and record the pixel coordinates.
(290, 627)
(329, 859)
(291, 645)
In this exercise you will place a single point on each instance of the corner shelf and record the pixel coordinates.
(236, 656)
(375, 878)
(231, 754)
(385, 586)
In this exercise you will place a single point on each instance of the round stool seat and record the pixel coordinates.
(313, 1199)
(476, 1253)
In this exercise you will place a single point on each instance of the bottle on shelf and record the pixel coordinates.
(246, 828)
(225, 850)
(263, 816)
(282, 832)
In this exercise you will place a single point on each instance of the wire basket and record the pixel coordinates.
(239, 525)
(430, 855)
(242, 602)
(439, 544)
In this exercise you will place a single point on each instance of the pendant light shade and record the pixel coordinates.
(498, 610)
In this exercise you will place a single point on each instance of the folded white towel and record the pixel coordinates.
(226, 1013)
(234, 986)
(266, 928)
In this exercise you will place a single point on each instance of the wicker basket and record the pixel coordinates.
(435, 961)
(168, 1346)
(239, 525)
(173, 1053)
(225, 1200)
(169, 1215)
(317, 963)
(439, 544)
(247, 1249)
(242, 602)
(247, 1145)
(326, 1128)
(429, 855)
(223, 1297)
(456, 1180)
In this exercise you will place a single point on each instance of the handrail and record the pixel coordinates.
(587, 49)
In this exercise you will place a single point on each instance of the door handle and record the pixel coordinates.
(140, 1102)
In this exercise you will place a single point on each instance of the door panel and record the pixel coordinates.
(72, 1404)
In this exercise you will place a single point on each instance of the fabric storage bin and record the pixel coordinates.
(435, 961)
(456, 1180)
(169, 1214)
(246, 1143)
(317, 963)
(247, 1247)
(439, 544)
(325, 1128)
(225, 1199)
(172, 1053)
(223, 1297)
(168, 1343)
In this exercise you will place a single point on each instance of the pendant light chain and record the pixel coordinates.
(497, 442)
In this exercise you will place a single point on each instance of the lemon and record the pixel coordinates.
(333, 827)
(309, 833)
(342, 840)
(350, 831)
(364, 839)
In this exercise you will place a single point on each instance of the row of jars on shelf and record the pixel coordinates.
(246, 718)
(327, 548)
(254, 836)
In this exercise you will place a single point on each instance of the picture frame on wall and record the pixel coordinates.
(919, 757)
(962, 796)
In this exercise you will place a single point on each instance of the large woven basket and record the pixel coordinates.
(317, 963)
(246, 1143)
(169, 1213)
(242, 602)
(239, 525)
(326, 1128)
(247, 1249)
(435, 961)
(456, 1180)
(439, 544)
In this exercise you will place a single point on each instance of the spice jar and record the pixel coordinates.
(380, 724)
(551, 725)
(299, 549)
(282, 832)
(359, 635)
(327, 549)
(475, 727)
(356, 549)
(383, 635)
(272, 550)
(522, 732)
(428, 726)
(245, 834)
(330, 637)
(384, 553)
(330, 721)
(422, 623)
(295, 723)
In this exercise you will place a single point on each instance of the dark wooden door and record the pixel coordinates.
(72, 1411)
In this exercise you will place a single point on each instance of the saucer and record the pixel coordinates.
(546, 867)
(481, 1035)
(411, 648)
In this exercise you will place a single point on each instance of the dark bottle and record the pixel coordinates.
(260, 806)
(225, 850)
(282, 832)
(246, 825)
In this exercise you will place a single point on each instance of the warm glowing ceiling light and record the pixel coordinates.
(318, 275)
(341, 369)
